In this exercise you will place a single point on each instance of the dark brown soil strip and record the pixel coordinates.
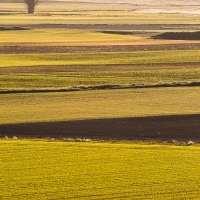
(12, 28)
(178, 36)
(180, 127)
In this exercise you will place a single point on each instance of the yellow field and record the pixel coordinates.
(35, 107)
(68, 170)
(56, 37)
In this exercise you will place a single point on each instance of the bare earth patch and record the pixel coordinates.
(182, 127)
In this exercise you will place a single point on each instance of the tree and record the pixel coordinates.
(31, 5)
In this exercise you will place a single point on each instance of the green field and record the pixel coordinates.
(88, 76)
(35, 107)
(68, 170)
(106, 58)
(55, 70)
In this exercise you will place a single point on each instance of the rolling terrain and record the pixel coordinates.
(100, 100)
(29, 72)
(87, 51)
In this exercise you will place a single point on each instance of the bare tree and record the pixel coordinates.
(31, 5)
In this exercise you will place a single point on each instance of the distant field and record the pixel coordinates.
(106, 58)
(100, 18)
(59, 35)
(66, 7)
(96, 75)
(94, 68)
(38, 107)
(63, 170)
(67, 37)
(79, 13)
(56, 37)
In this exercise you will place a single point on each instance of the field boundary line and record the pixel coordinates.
(102, 87)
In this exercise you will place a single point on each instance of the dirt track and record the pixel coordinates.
(75, 68)
(183, 127)
(113, 48)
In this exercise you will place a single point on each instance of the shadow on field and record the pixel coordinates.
(142, 128)
(179, 36)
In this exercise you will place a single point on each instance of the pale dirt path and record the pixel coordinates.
(152, 45)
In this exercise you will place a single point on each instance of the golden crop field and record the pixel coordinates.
(37, 169)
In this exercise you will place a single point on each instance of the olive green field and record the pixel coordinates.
(74, 69)
(105, 58)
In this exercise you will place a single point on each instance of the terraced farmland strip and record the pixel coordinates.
(20, 49)
(38, 107)
(46, 37)
(95, 17)
(91, 76)
(139, 57)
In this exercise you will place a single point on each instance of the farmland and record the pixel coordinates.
(45, 37)
(36, 169)
(73, 13)
(80, 45)
(100, 101)
(154, 57)
(91, 104)
(74, 69)
(89, 76)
